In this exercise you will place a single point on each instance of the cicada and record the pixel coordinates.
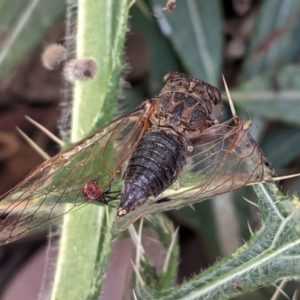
(166, 153)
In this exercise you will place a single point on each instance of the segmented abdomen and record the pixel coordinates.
(153, 167)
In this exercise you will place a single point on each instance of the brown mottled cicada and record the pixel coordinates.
(166, 153)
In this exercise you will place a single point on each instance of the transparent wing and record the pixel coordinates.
(39, 199)
(221, 159)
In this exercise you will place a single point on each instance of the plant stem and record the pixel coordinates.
(86, 234)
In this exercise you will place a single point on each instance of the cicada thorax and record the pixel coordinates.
(183, 107)
(185, 104)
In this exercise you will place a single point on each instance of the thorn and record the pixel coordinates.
(35, 147)
(131, 3)
(252, 203)
(280, 291)
(138, 275)
(192, 207)
(135, 237)
(141, 229)
(284, 177)
(139, 247)
(46, 131)
(229, 98)
(143, 8)
(273, 179)
(134, 295)
(167, 260)
(249, 227)
(296, 294)
(148, 218)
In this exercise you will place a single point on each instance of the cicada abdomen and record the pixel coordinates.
(152, 168)
(181, 110)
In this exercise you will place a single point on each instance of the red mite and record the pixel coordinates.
(93, 192)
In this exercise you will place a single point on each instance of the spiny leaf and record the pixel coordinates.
(271, 254)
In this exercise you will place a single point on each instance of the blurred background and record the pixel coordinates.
(255, 44)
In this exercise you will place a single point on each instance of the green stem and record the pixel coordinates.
(86, 234)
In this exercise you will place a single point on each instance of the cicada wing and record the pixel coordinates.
(221, 159)
(39, 199)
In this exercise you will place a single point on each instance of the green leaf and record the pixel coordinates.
(273, 40)
(25, 24)
(281, 145)
(271, 254)
(162, 58)
(272, 95)
(195, 30)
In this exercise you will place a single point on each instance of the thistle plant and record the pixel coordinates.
(271, 253)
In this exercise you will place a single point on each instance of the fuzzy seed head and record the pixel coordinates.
(79, 69)
(53, 56)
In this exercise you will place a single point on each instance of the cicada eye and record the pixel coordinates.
(173, 76)
(167, 77)
(217, 95)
